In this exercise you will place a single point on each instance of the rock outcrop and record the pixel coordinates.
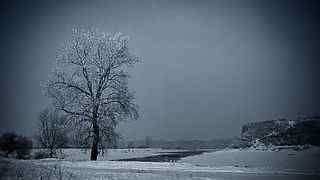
(282, 132)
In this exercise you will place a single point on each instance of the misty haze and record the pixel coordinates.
(152, 89)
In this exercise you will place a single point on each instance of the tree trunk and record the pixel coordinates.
(95, 143)
(94, 150)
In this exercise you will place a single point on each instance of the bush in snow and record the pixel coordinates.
(18, 146)
(24, 146)
(8, 143)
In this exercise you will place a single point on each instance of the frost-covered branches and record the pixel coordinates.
(90, 82)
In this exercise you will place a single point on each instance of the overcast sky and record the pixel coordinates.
(207, 66)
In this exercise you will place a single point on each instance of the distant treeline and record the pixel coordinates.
(179, 144)
(165, 144)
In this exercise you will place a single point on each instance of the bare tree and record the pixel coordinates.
(90, 84)
(51, 131)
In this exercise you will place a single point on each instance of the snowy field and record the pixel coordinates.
(220, 165)
(286, 161)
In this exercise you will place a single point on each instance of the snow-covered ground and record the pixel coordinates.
(225, 164)
(163, 170)
(285, 160)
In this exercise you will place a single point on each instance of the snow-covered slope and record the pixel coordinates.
(289, 160)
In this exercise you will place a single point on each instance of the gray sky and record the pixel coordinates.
(207, 66)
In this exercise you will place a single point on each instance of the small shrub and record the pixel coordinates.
(24, 146)
(8, 143)
(30, 171)
(52, 134)
(12, 144)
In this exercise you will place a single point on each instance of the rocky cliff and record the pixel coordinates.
(282, 132)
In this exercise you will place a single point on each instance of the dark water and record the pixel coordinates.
(166, 156)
